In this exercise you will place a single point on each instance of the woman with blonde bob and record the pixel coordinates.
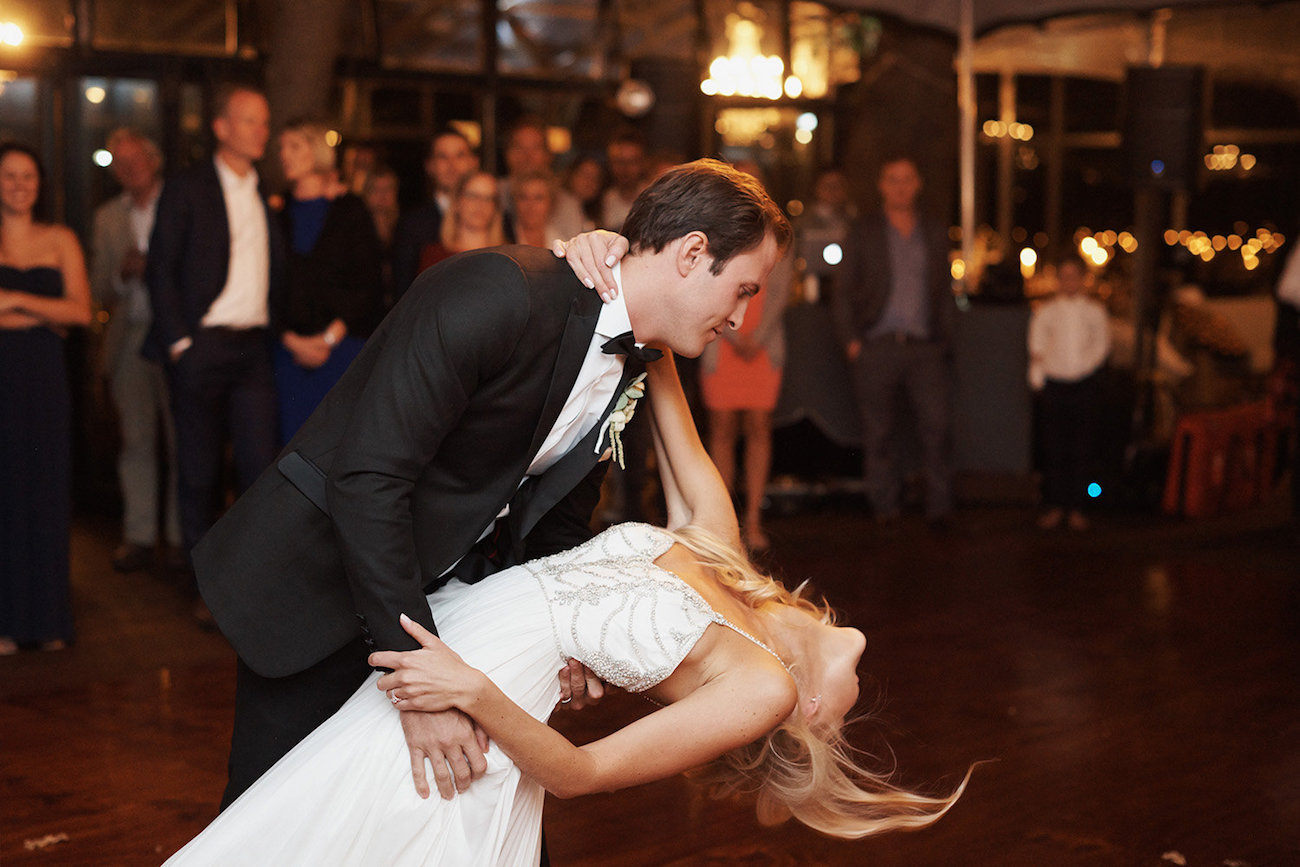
(332, 296)
(754, 684)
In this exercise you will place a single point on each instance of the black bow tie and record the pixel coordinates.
(625, 344)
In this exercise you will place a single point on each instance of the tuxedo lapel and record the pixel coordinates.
(537, 497)
(579, 327)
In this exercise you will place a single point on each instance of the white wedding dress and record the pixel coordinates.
(344, 795)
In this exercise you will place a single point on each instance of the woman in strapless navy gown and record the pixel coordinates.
(43, 292)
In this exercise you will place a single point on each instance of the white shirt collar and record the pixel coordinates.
(613, 319)
(230, 180)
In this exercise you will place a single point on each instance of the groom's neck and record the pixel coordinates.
(642, 284)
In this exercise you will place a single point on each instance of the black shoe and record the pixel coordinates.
(130, 557)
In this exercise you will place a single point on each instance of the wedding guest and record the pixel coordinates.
(332, 294)
(894, 313)
(629, 175)
(534, 204)
(215, 272)
(380, 193)
(473, 222)
(1069, 339)
(528, 152)
(44, 291)
(1285, 379)
(585, 181)
(451, 158)
(137, 384)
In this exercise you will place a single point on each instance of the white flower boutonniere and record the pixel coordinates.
(622, 414)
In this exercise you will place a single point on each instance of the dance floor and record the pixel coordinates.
(1131, 693)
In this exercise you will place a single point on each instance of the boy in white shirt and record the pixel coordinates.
(1069, 340)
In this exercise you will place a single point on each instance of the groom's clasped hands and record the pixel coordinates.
(431, 686)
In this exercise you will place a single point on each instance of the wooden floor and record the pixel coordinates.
(1137, 690)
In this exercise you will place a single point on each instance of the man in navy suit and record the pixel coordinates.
(214, 270)
(466, 437)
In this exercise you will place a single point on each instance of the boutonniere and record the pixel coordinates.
(624, 409)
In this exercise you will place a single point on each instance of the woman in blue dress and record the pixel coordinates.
(44, 291)
(333, 295)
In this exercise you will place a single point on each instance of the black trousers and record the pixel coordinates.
(272, 714)
(223, 391)
(1069, 429)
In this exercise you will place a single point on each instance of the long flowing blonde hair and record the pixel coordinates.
(798, 770)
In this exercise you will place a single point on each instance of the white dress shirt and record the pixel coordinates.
(592, 390)
(1069, 339)
(243, 300)
(133, 292)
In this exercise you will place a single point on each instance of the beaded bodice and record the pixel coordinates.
(630, 621)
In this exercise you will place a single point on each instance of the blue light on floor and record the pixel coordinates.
(1094, 490)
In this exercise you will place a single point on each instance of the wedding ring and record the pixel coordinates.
(566, 700)
(394, 699)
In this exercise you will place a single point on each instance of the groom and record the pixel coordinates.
(466, 437)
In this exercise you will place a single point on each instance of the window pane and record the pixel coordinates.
(433, 34)
(548, 37)
(176, 25)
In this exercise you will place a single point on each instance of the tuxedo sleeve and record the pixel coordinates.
(458, 328)
(164, 266)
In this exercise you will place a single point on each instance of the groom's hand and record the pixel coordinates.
(592, 256)
(451, 742)
(579, 686)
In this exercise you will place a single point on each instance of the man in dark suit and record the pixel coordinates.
(214, 269)
(466, 437)
(451, 159)
(894, 315)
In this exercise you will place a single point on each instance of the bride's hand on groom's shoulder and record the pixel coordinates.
(592, 256)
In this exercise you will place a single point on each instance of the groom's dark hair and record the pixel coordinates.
(730, 207)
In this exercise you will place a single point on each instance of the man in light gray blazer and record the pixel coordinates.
(138, 385)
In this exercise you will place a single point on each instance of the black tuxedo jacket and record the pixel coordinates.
(865, 279)
(189, 254)
(421, 443)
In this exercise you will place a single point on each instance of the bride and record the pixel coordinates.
(754, 683)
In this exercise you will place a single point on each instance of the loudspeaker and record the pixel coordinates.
(1162, 125)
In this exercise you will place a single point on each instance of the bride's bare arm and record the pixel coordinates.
(732, 709)
(693, 489)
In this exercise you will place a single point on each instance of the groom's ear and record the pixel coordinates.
(692, 252)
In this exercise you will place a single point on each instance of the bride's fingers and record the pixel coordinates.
(418, 632)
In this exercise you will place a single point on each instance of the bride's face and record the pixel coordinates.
(842, 648)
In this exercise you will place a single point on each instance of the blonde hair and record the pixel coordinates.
(323, 158)
(797, 770)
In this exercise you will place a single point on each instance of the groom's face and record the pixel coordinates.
(704, 304)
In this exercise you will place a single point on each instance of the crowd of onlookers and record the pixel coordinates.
(231, 314)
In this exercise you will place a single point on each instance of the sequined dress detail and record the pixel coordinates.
(344, 795)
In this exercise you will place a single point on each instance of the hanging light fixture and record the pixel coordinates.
(745, 70)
